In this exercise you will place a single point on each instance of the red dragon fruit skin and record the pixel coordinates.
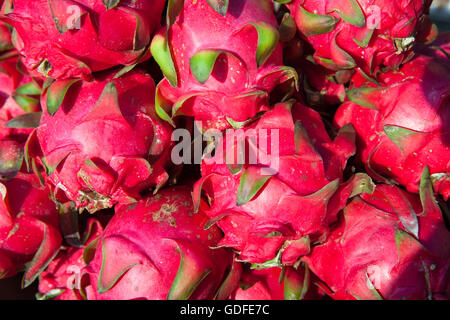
(158, 249)
(72, 38)
(386, 248)
(64, 278)
(271, 218)
(29, 227)
(402, 125)
(221, 64)
(104, 143)
(367, 34)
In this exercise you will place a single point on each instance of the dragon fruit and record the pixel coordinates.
(19, 109)
(157, 249)
(219, 61)
(5, 30)
(19, 94)
(274, 206)
(389, 245)
(65, 39)
(401, 125)
(371, 35)
(29, 227)
(101, 142)
(64, 278)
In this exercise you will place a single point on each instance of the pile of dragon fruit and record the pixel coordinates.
(224, 149)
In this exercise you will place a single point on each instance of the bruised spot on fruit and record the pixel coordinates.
(165, 214)
(94, 201)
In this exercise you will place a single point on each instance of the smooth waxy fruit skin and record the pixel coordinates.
(65, 39)
(158, 249)
(100, 142)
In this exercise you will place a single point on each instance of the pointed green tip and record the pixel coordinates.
(220, 6)
(313, 24)
(365, 97)
(268, 38)
(202, 64)
(28, 120)
(352, 13)
(287, 28)
(341, 57)
(252, 181)
(399, 135)
(160, 51)
(189, 276)
(174, 8)
(362, 183)
(110, 4)
(425, 173)
(56, 93)
(110, 88)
